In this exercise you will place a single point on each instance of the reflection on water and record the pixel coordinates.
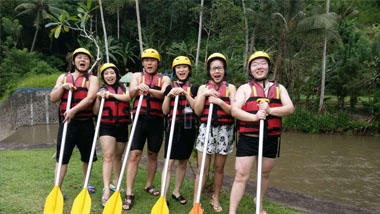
(343, 169)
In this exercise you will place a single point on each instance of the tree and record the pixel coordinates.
(41, 10)
(324, 64)
(139, 26)
(199, 35)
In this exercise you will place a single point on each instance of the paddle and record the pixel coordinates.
(260, 160)
(54, 201)
(161, 207)
(82, 203)
(197, 209)
(114, 204)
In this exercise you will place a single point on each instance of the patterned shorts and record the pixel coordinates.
(220, 139)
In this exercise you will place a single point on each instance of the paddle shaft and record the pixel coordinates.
(198, 199)
(126, 153)
(259, 167)
(94, 143)
(163, 183)
(63, 140)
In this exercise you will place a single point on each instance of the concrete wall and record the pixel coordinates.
(26, 107)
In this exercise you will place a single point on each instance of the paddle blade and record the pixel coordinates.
(114, 204)
(54, 202)
(160, 207)
(197, 209)
(82, 203)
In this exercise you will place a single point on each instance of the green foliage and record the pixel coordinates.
(17, 64)
(12, 29)
(326, 122)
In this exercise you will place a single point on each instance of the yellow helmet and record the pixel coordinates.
(181, 60)
(151, 53)
(105, 66)
(216, 56)
(259, 54)
(84, 51)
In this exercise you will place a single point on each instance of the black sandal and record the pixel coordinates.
(151, 190)
(126, 203)
(180, 198)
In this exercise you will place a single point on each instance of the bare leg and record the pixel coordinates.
(207, 165)
(170, 167)
(268, 164)
(133, 162)
(62, 175)
(84, 168)
(152, 167)
(108, 144)
(243, 167)
(180, 175)
(219, 163)
(116, 162)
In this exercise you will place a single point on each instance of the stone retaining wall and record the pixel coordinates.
(26, 107)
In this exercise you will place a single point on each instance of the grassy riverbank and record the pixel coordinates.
(26, 179)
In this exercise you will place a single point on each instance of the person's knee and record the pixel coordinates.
(182, 164)
(108, 156)
(219, 169)
(241, 175)
(134, 157)
(152, 156)
(265, 174)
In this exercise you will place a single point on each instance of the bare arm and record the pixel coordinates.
(200, 100)
(287, 107)
(166, 105)
(58, 90)
(239, 100)
(160, 93)
(226, 107)
(135, 81)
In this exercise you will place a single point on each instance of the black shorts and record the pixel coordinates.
(183, 142)
(118, 131)
(151, 130)
(79, 133)
(249, 146)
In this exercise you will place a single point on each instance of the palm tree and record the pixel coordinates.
(324, 64)
(41, 10)
(139, 25)
(199, 35)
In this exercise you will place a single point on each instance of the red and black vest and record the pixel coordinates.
(115, 111)
(220, 117)
(182, 104)
(150, 105)
(272, 123)
(78, 95)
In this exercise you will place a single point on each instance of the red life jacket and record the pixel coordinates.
(220, 117)
(115, 111)
(78, 95)
(272, 123)
(182, 103)
(150, 105)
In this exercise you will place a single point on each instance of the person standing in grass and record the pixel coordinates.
(184, 131)
(80, 130)
(150, 124)
(113, 132)
(220, 93)
(249, 112)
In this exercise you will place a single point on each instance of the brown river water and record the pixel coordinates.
(344, 169)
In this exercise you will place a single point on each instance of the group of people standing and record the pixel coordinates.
(158, 93)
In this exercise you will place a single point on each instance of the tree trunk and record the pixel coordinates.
(323, 64)
(139, 26)
(246, 36)
(253, 40)
(208, 38)
(281, 45)
(118, 23)
(34, 38)
(104, 31)
(199, 36)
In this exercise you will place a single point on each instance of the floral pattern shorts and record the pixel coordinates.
(220, 139)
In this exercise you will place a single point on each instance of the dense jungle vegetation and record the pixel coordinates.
(326, 53)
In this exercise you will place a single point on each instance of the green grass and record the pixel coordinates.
(26, 178)
(33, 81)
